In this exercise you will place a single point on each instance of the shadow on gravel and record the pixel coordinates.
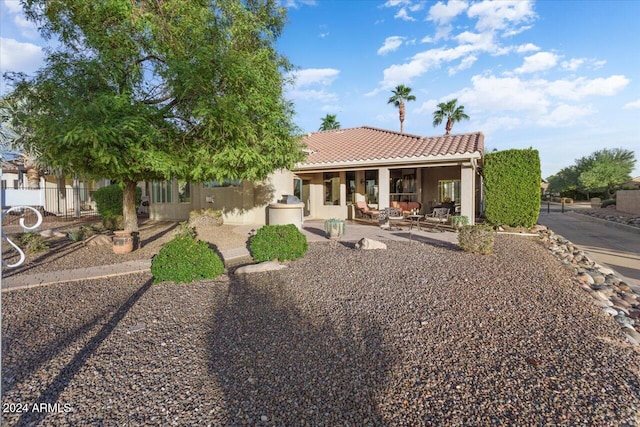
(58, 248)
(278, 364)
(429, 241)
(163, 230)
(68, 372)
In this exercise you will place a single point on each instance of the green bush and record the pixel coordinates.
(184, 260)
(608, 202)
(512, 184)
(109, 205)
(459, 221)
(32, 243)
(279, 242)
(476, 239)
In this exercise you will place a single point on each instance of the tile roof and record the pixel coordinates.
(372, 145)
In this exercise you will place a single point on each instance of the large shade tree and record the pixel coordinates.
(451, 112)
(329, 122)
(401, 94)
(151, 89)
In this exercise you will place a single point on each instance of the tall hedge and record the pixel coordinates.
(109, 200)
(512, 187)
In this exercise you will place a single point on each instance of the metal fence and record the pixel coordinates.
(57, 204)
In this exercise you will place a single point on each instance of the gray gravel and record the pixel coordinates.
(414, 335)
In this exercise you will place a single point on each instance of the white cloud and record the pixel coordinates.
(426, 39)
(13, 6)
(566, 115)
(581, 87)
(529, 47)
(427, 107)
(441, 13)
(494, 123)
(310, 76)
(465, 64)
(634, 104)
(573, 64)
(296, 3)
(538, 62)
(404, 15)
(390, 44)
(499, 94)
(505, 15)
(323, 35)
(18, 56)
(313, 95)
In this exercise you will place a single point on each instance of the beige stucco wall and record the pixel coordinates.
(628, 201)
(243, 204)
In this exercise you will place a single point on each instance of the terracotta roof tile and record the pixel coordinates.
(365, 143)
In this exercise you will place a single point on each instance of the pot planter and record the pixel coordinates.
(122, 242)
(335, 228)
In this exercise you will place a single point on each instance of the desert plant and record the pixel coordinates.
(476, 239)
(185, 259)
(184, 229)
(32, 243)
(279, 242)
(75, 235)
(206, 218)
(458, 221)
(113, 222)
(335, 227)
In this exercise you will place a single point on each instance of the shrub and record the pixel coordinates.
(476, 239)
(32, 243)
(184, 260)
(458, 221)
(109, 205)
(608, 202)
(512, 183)
(206, 218)
(279, 242)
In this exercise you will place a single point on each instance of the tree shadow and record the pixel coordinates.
(67, 373)
(429, 241)
(279, 364)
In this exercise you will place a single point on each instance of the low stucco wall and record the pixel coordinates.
(628, 201)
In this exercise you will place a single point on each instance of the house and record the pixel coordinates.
(343, 167)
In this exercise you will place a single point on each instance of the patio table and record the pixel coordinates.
(414, 219)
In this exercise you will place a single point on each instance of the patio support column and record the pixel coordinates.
(467, 192)
(383, 188)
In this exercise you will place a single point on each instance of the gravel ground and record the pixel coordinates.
(414, 335)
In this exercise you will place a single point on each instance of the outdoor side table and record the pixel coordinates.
(414, 220)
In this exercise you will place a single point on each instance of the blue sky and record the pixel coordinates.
(562, 77)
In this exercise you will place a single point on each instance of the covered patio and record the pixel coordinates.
(380, 167)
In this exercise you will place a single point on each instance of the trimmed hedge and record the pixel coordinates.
(512, 187)
(281, 242)
(184, 260)
(477, 239)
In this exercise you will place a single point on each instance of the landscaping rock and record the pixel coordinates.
(259, 268)
(367, 244)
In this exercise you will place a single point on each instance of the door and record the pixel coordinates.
(306, 196)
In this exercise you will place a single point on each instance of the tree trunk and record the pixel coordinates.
(401, 108)
(449, 126)
(33, 177)
(130, 217)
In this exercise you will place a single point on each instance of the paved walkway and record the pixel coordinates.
(314, 230)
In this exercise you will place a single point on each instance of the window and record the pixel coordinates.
(297, 188)
(161, 192)
(331, 188)
(371, 186)
(351, 187)
(224, 183)
(184, 192)
(449, 190)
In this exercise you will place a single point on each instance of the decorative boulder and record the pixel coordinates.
(259, 268)
(366, 244)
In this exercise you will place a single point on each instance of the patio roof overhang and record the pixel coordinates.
(468, 159)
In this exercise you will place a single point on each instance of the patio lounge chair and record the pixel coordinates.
(437, 217)
(363, 210)
(394, 215)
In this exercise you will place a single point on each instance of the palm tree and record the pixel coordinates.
(452, 112)
(401, 94)
(329, 122)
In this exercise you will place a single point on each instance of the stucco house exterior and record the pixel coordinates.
(343, 167)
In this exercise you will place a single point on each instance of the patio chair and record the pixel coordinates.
(437, 217)
(394, 214)
(365, 211)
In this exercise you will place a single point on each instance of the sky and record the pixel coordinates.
(562, 77)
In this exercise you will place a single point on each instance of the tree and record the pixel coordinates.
(329, 122)
(606, 168)
(152, 90)
(401, 94)
(452, 112)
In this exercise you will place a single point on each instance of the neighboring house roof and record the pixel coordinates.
(368, 145)
(633, 183)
